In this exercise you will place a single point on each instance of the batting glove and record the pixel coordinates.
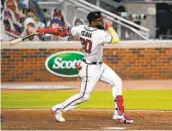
(108, 24)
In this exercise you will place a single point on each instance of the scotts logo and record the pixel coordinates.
(63, 63)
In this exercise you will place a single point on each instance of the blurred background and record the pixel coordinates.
(132, 19)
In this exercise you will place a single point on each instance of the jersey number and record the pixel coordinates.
(86, 44)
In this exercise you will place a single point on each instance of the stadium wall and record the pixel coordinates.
(25, 62)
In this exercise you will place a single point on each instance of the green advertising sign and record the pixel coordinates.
(63, 63)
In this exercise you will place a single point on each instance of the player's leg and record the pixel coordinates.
(89, 77)
(110, 77)
(69, 104)
(87, 86)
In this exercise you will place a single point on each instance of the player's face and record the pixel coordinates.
(98, 23)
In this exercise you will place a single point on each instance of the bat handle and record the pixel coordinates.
(28, 36)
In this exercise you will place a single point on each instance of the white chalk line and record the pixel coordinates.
(36, 87)
(114, 128)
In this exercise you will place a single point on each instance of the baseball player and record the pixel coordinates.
(92, 69)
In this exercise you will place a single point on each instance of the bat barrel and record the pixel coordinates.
(16, 41)
(13, 42)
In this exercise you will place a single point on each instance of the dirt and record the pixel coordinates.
(18, 119)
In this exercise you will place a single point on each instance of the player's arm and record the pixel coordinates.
(55, 31)
(112, 32)
(70, 31)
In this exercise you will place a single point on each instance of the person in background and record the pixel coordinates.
(33, 4)
(8, 31)
(13, 6)
(54, 23)
(121, 11)
(57, 14)
(77, 22)
(17, 16)
(29, 28)
(57, 21)
(31, 13)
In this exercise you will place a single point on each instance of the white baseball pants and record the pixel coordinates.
(90, 74)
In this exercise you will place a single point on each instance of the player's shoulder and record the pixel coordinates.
(102, 33)
(76, 27)
(90, 29)
(79, 26)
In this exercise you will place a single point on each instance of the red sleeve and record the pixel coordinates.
(54, 31)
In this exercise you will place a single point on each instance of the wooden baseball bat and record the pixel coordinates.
(18, 40)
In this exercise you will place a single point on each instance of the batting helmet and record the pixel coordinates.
(94, 15)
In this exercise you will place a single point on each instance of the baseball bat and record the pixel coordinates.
(18, 40)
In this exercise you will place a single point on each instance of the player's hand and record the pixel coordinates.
(108, 24)
(63, 32)
(40, 32)
(78, 66)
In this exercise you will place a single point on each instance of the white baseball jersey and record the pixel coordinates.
(92, 40)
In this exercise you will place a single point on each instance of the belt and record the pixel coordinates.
(93, 63)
